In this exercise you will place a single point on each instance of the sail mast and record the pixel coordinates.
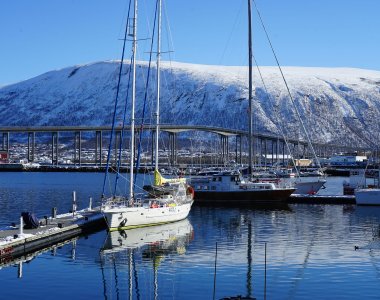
(158, 83)
(132, 149)
(250, 131)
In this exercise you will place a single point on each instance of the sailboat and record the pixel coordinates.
(229, 187)
(167, 200)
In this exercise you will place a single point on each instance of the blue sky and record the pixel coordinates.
(43, 35)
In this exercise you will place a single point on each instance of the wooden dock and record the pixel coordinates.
(322, 199)
(15, 242)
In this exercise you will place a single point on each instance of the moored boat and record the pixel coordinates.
(230, 188)
(309, 187)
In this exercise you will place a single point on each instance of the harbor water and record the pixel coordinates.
(294, 252)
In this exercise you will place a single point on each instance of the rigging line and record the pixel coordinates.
(146, 92)
(287, 87)
(279, 128)
(170, 44)
(168, 31)
(232, 30)
(116, 102)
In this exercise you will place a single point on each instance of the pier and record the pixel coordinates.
(16, 241)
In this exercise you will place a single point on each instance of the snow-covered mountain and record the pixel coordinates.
(338, 105)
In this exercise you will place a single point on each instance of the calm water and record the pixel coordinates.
(310, 250)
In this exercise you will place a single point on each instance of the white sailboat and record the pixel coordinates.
(167, 200)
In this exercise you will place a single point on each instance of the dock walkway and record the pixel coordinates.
(15, 242)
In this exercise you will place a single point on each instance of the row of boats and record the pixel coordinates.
(169, 200)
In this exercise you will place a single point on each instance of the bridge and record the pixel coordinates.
(264, 144)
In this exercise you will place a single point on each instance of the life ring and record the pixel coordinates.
(191, 191)
(154, 205)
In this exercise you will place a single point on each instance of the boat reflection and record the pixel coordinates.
(124, 251)
(163, 237)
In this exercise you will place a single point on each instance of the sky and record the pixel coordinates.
(43, 35)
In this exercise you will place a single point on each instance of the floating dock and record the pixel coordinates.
(16, 241)
(322, 199)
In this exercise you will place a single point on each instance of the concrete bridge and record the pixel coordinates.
(265, 145)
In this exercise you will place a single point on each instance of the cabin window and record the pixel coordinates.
(219, 178)
(213, 188)
(214, 179)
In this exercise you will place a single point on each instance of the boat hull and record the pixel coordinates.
(122, 218)
(243, 197)
(367, 196)
(309, 187)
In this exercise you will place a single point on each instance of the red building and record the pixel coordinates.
(3, 156)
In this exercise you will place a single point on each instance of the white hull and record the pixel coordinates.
(308, 187)
(367, 196)
(124, 217)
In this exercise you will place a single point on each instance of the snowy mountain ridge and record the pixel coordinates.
(337, 105)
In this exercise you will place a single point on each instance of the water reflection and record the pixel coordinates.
(128, 253)
(10, 261)
(310, 252)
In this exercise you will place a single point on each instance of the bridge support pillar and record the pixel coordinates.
(98, 147)
(54, 148)
(225, 149)
(265, 152)
(173, 148)
(238, 155)
(78, 148)
(6, 141)
(117, 146)
(31, 146)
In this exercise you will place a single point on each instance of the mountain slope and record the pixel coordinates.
(334, 103)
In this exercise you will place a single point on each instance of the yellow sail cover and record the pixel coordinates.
(159, 180)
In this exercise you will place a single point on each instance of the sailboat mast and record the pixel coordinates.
(158, 82)
(250, 130)
(132, 150)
